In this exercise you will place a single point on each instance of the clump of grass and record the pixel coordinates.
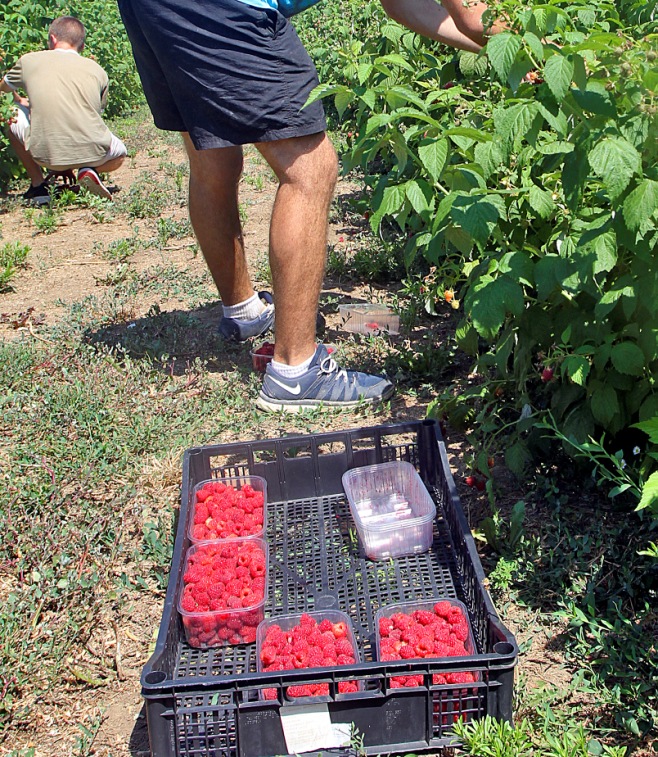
(12, 257)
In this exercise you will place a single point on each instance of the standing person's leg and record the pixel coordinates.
(307, 169)
(215, 217)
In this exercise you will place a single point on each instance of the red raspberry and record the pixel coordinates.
(347, 687)
(407, 652)
(401, 621)
(307, 621)
(461, 630)
(462, 677)
(268, 654)
(424, 617)
(438, 679)
(455, 615)
(340, 629)
(315, 658)
(188, 604)
(424, 646)
(269, 693)
(441, 649)
(442, 609)
(345, 659)
(385, 626)
(300, 691)
(343, 646)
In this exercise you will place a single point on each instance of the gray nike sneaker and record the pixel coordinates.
(325, 383)
(234, 330)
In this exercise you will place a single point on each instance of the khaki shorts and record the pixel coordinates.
(21, 130)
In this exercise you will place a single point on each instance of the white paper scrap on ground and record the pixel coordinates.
(309, 728)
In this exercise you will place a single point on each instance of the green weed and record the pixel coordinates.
(12, 257)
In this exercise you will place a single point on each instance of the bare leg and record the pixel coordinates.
(214, 178)
(307, 170)
(34, 170)
(109, 165)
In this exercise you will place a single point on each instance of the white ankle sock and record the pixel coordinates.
(292, 371)
(248, 310)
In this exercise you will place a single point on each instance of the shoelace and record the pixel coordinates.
(329, 365)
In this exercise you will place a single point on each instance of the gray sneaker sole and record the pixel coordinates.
(271, 405)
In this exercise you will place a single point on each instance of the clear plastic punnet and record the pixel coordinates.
(231, 576)
(220, 509)
(392, 509)
(369, 319)
(299, 636)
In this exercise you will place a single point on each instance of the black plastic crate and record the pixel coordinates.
(206, 702)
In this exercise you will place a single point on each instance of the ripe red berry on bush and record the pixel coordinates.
(221, 511)
(222, 582)
(442, 631)
(308, 644)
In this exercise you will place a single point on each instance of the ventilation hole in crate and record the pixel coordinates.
(209, 729)
(332, 448)
(298, 450)
(454, 705)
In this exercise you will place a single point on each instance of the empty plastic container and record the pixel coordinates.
(392, 509)
(369, 319)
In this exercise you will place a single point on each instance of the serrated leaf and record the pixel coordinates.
(342, 100)
(577, 368)
(467, 339)
(616, 161)
(628, 358)
(649, 496)
(541, 201)
(501, 51)
(488, 155)
(641, 204)
(517, 458)
(556, 148)
(416, 196)
(650, 427)
(433, 156)
(489, 302)
(605, 248)
(535, 45)
(558, 75)
(478, 214)
(604, 404)
(363, 71)
(514, 123)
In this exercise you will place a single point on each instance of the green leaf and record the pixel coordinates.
(649, 496)
(517, 458)
(558, 75)
(419, 199)
(628, 358)
(342, 100)
(490, 300)
(605, 248)
(541, 201)
(478, 214)
(433, 157)
(501, 51)
(641, 204)
(650, 428)
(488, 155)
(556, 148)
(615, 160)
(513, 124)
(577, 368)
(604, 403)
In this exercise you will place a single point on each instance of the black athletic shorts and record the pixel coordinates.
(226, 72)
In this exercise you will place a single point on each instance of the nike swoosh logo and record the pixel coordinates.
(297, 389)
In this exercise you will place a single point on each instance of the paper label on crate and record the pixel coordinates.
(309, 728)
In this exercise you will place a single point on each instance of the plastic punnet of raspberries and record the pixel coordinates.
(223, 512)
(223, 590)
(441, 630)
(308, 644)
(262, 356)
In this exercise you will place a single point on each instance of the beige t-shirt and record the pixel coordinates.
(67, 94)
